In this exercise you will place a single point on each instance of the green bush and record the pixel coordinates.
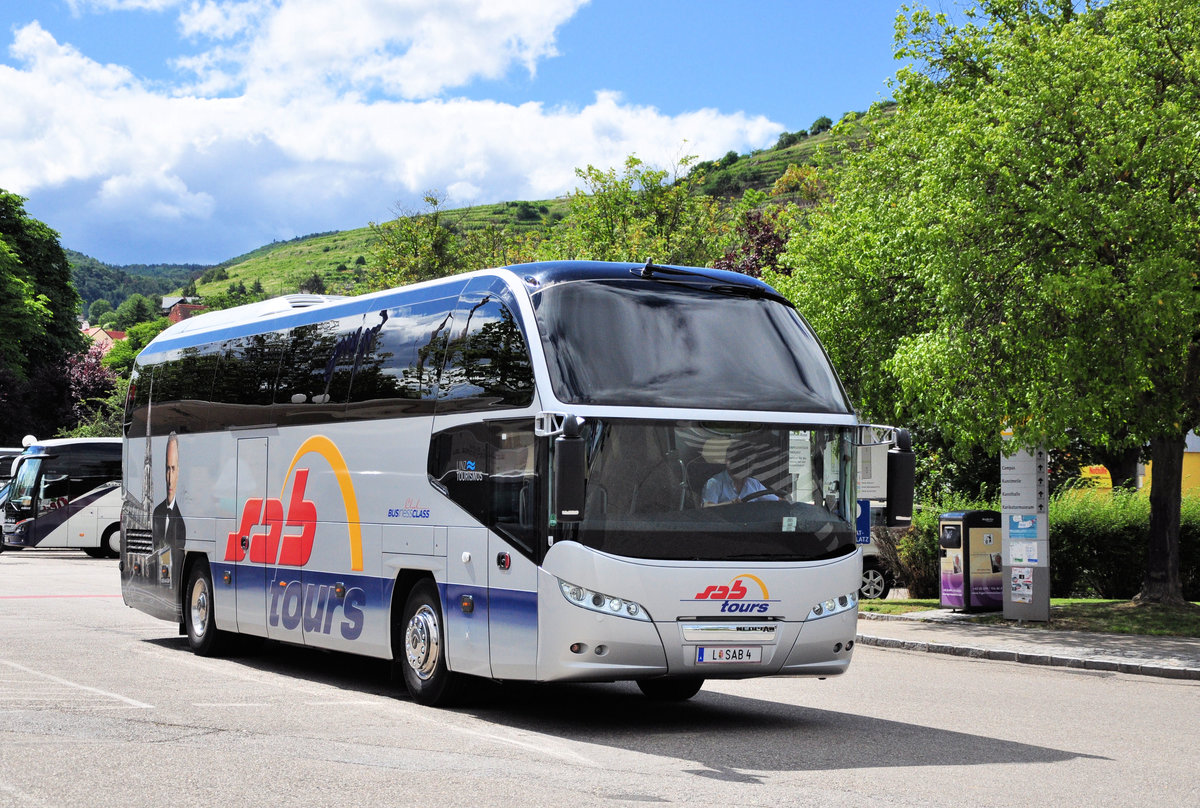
(1098, 544)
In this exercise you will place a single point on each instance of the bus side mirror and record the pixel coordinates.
(901, 480)
(570, 469)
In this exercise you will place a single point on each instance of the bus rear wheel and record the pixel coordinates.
(419, 645)
(204, 638)
(670, 689)
(111, 542)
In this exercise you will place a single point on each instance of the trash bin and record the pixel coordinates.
(971, 561)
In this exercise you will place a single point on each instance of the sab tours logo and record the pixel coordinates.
(261, 536)
(733, 595)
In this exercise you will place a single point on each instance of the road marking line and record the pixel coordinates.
(77, 686)
(41, 597)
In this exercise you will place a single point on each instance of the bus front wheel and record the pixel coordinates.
(422, 648)
(204, 638)
(670, 689)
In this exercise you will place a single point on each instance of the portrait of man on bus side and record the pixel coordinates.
(167, 525)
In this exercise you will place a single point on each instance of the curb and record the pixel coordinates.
(1024, 658)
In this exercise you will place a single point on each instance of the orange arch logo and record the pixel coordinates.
(274, 546)
(327, 449)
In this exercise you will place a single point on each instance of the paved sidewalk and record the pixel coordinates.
(948, 632)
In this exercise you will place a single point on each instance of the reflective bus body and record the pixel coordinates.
(387, 475)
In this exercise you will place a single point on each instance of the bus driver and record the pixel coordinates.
(734, 483)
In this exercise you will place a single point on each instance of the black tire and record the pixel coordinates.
(204, 638)
(419, 649)
(670, 689)
(875, 584)
(110, 542)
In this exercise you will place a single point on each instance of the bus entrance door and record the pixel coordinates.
(250, 539)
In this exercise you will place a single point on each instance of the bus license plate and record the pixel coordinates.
(707, 654)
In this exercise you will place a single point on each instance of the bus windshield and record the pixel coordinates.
(23, 483)
(689, 490)
(639, 343)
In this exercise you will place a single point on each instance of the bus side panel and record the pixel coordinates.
(513, 612)
(96, 510)
(467, 646)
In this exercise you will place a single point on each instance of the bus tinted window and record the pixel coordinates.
(397, 372)
(246, 377)
(487, 362)
(491, 471)
(645, 344)
(316, 369)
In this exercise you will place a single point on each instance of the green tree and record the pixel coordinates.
(120, 357)
(640, 214)
(822, 124)
(417, 246)
(1018, 245)
(135, 309)
(98, 309)
(23, 313)
(314, 284)
(37, 299)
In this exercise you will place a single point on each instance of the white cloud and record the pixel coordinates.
(274, 150)
(401, 48)
(152, 198)
(78, 7)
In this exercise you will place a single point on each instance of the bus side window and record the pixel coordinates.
(487, 361)
(514, 480)
(458, 462)
(490, 470)
(396, 374)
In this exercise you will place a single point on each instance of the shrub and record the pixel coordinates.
(916, 557)
(1098, 543)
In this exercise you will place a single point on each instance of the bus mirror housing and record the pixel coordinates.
(901, 480)
(570, 469)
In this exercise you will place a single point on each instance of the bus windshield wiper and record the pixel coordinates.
(720, 285)
(650, 269)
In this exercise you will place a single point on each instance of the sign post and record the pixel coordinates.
(1024, 511)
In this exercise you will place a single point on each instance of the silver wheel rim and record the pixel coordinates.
(872, 583)
(421, 642)
(114, 542)
(199, 607)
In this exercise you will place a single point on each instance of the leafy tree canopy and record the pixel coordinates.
(1018, 244)
(36, 284)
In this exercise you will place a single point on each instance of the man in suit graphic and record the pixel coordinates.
(169, 530)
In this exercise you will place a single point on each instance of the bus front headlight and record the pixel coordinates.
(842, 603)
(602, 603)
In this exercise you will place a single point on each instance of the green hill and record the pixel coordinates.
(340, 258)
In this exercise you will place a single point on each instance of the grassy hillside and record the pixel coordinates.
(340, 258)
(282, 266)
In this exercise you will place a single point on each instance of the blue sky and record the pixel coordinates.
(149, 131)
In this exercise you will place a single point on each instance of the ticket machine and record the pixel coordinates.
(971, 561)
